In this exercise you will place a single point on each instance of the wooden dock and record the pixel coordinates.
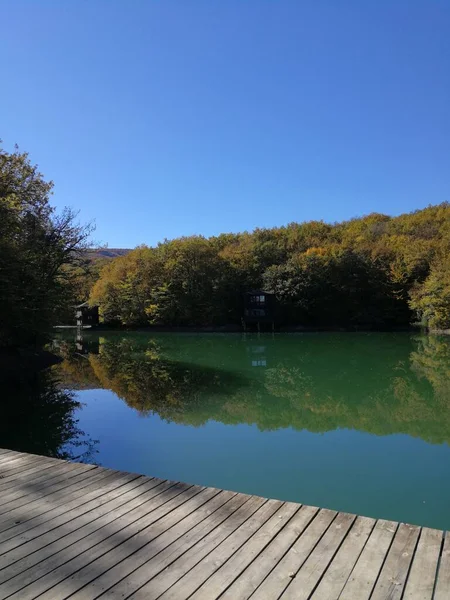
(78, 531)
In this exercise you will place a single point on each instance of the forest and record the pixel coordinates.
(374, 272)
(43, 261)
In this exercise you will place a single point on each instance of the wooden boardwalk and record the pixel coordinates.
(80, 531)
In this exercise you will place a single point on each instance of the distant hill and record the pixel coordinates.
(107, 253)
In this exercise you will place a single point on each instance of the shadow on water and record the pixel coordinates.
(38, 416)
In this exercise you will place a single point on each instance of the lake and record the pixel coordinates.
(351, 421)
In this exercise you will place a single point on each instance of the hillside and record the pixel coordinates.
(374, 272)
(107, 252)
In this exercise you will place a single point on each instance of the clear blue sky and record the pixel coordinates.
(163, 118)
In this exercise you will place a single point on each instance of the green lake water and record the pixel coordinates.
(354, 422)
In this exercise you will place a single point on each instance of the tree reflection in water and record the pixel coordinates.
(378, 383)
(39, 416)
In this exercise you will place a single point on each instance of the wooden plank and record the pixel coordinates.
(233, 568)
(6, 456)
(177, 569)
(46, 505)
(211, 499)
(220, 508)
(221, 553)
(82, 541)
(443, 577)
(281, 576)
(102, 511)
(244, 586)
(19, 461)
(118, 554)
(32, 488)
(79, 530)
(340, 568)
(17, 465)
(364, 575)
(15, 460)
(392, 579)
(8, 481)
(25, 494)
(97, 499)
(5, 451)
(422, 576)
(310, 573)
(94, 487)
(61, 566)
(13, 486)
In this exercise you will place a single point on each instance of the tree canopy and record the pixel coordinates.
(41, 254)
(376, 272)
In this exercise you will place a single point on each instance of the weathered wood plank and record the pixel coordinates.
(211, 498)
(227, 573)
(82, 531)
(20, 459)
(441, 591)
(14, 486)
(4, 451)
(340, 568)
(64, 564)
(281, 576)
(29, 514)
(244, 586)
(25, 529)
(89, 536)
(164, 532)
(14, 466)
(220, 508)
(422, 576)
(9, 480)
(364, 575)
(45, 486)
(177, 569)
(46, 540)
(186, 586)
(392, 579)
(306, 579)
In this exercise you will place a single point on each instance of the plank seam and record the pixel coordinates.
(309, 553)
(62, 503)
(224, 539)
(57, 477)
(90, 548)
(358, 557)
(411, 562)
(152, 540)
(165, 547)
(438, 566)
(397, 525)
(268, 544)
(71, 532)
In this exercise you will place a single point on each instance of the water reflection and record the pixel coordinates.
(39, 416)
(378, 383)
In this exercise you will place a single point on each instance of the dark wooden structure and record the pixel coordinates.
(86, 315)
(78, 531)
(259, 308)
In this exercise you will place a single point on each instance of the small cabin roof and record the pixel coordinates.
(258, 293)
(85, 305)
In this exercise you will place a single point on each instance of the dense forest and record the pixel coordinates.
(371, 272)
(44, 268)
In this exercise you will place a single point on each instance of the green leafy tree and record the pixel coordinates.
(39, 250)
